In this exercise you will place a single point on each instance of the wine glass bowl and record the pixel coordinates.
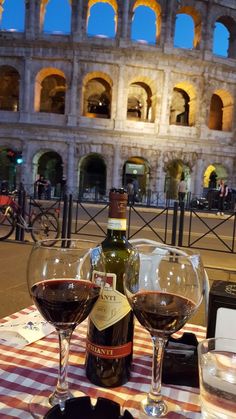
(166, 290)
(64, 283)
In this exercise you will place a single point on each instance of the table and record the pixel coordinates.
(25, 372)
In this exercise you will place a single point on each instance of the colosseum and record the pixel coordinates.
(97, 111)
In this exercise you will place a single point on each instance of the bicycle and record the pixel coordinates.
(44, 225)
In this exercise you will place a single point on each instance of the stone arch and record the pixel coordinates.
(112, 3)
(137, 170)
(176, 170)
(183, 104)
(153, 5)
(49, 163)
(213, 173)
(140, 104)
(221, 111)
(13, 18)
(50, 90)
(47, 23)
(92, 175)
(230, 24)
(197, 19)
(97, 95)
(9, 88)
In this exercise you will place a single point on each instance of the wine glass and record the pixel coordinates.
(64, 282)
(165, 291)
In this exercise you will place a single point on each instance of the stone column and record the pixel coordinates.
(29, 19)
(76, 19)
(121, 102)
(197, 177)
(73, 93)
(124, 24)
(71, 168)
(116, 166)
(160, 180)
(165, 108)
(26, 104)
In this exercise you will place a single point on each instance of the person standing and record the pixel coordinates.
(223, 193)
(130, 191)
(182, 189)
(40, 186)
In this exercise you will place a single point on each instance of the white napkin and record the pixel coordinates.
(26, 329)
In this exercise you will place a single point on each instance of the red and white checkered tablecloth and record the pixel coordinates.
(25, 372)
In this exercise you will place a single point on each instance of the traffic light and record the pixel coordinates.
(14, 156)
(19, 159)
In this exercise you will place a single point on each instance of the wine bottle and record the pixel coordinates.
(109, 345)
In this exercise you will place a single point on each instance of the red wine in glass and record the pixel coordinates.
(64, 282)
(164, 286)
(65, 302)
(161, 313)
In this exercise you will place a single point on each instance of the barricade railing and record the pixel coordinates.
(173, 225)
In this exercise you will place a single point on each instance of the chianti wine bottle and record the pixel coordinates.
(110, 329)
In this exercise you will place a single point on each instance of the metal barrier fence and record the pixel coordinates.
(173, 225)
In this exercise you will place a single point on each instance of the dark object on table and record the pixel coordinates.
(222, 296)
(180, 365)
(81, 408)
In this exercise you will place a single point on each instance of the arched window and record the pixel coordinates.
(216, 113)
(224, 37)
(101, 20)
(220, 40)
(179, 111)
(139, 105)
(140, 32)
(9, 89)
(57, 18)
(97, 98)
(184, 31)
(221, 111)
(13, 20)
(52, 98)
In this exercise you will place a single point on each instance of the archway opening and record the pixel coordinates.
(176, 171)
(92, 176)
(136, 170)
(50, 166)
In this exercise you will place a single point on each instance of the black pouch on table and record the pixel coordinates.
(180, 364)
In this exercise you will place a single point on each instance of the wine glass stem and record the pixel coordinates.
(157, 362)
(61, 393)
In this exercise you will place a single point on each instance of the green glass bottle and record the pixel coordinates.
(111, 323)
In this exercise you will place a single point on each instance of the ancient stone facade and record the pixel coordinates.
(123, 108)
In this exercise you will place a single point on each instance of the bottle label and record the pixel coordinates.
(109, 352)
(116, 224)
(111, 305)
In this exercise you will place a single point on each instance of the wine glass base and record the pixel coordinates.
(141, 408)
(39, 404)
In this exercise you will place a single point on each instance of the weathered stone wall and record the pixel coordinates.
(161, 66)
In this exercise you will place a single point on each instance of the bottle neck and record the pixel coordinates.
(116, 227)
(117, 234)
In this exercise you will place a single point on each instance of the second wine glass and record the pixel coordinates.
(64, 282)
(165, 292)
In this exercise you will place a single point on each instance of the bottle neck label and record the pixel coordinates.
(111, 305)
(116, 224)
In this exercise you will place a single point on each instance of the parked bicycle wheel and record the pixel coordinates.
(7, 223)
(45, 226)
